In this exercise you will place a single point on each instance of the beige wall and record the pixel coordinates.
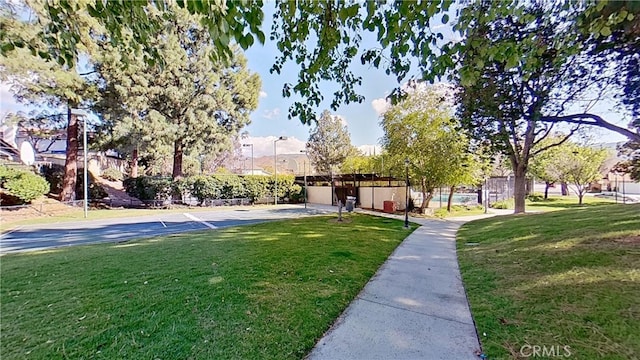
(322, 195)
(382, 194)
(319, 195)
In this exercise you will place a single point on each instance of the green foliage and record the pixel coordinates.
(258, 187)
(213, 187)
(422, 129)
(503, 204)
(94, 189)
(113, 174)
(568, 162)
(535, 197)
(23, 184)
(54, 175)
(191, 104)
(458, 210)
(329, 143)
(149, 187)
(360, 164)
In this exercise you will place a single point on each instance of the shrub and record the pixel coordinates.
(258, 186)
(503, 204)
(441, 212)
(95, 190)
(149, 187)
(23, 184)
(54, 174)
(535, 197)
(112, 174)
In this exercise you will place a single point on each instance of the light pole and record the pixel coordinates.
(616, 187)
(304, 167)
(406, 203)
(247, 145)
(485, 192)
(275, 167)
(83, 114)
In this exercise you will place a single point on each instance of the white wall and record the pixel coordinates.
(319, 195)
(381, 194)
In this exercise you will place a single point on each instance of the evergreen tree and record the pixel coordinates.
(329, 143)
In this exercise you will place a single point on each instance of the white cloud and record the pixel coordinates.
(263, 94)
(271, 114)
(380, 105)
(263, 145)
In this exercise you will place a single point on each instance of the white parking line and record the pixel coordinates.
(200, 221)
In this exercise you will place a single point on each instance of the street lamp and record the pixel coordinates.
(275, 167)
(247, 145)
(83, 114)
(304, 167)
(485, 192)
(406, 203)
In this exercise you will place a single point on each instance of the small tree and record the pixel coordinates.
(581, 166)
(544, 165)
(329, 143)
(421, 129)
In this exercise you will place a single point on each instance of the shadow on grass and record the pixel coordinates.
(560, 278)
(564, 203)
(218, 294)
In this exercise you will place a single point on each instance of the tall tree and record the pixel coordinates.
(513, 90)
(329, 143)
(323, 38)
(38, 81)
(201, 104)
(422, 130)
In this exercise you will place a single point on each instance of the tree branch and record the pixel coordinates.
(595, 120)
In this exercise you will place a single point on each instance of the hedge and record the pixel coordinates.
(212, 187)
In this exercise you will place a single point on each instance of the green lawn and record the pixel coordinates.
(563, 278)
(459, 210)
(253, 292)
(554, 203)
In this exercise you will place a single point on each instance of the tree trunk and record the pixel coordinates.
(71, 162)
(134, 163)
(520, 189)
(178, 151)
(423, 187)
(546, 189)
(580, 195)
(564, 188)
(450, 198)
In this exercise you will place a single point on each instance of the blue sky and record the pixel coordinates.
(270, 121)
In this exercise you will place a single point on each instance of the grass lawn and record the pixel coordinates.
(459, 210)
(254, 292)
(554, 203)
(563, 278)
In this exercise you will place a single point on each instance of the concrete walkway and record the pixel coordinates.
(415, 307)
